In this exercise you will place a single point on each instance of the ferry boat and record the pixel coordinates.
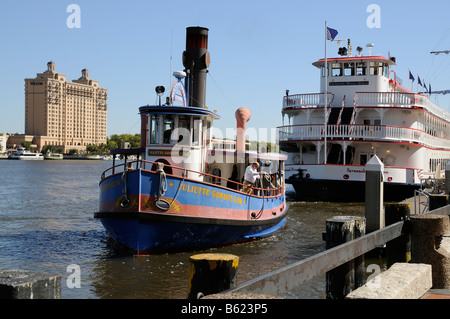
(53, 156)
(368, 112)
(23, 154)
(185, 190)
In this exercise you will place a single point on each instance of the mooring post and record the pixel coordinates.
(343, 279)
(374, 191)
(437, 201)
(26, 284)
(447, 178)
(398, 249)
(211, 273)
(430, 244)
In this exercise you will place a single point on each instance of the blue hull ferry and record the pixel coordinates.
(182, 189)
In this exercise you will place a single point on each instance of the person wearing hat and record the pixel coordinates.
(250, 176)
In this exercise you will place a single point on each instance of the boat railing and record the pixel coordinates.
(274, 186)
(398, 99)
(362, 132)
(311, 100)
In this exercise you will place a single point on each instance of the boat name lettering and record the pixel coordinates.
(206, 192)
(363, 170)
(349, 83)
(109, 185)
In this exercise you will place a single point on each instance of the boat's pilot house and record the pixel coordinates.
(173, 129)
(356, 68)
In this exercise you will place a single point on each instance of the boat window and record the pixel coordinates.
(168, 126)
(196, 132)
(386, 70)
(154, 129)
(361, 68)
(349, 69)
(373, 68)
(323, 71)
(336, 69)
(184, 126)
(380, 68)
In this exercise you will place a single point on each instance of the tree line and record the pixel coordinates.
(112, 142)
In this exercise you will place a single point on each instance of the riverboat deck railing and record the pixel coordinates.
(361, 132)
(274, 188)
(398, 99)
(311, 100)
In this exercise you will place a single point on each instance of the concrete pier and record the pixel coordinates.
(401, 281)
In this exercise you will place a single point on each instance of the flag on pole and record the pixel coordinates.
(418, 80)
(411, 77)
(429, 88)
(331, 34)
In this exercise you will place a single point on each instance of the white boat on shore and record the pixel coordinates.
(23, 154)
(368, 112)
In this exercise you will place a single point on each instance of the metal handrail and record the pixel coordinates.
(270, 191)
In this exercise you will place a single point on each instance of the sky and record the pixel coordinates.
(258, 49)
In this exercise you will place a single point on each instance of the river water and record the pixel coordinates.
(47, 225)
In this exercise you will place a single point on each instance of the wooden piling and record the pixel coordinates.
(347, 277)
(438, 201)
(398, 250)
(447, 178)
(211, 273)
(429, 246)
(25, 284)
(374, 191)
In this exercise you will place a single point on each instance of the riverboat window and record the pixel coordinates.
(361, 68)
(196, 132)
(349, 69)
(386, 70)
(154, 129)
(323, 71)
(336, 69)
(168, 127)
(184, 126)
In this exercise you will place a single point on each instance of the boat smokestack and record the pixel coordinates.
(242, 115)
(196, 61)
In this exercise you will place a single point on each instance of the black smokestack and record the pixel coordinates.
(196, 60)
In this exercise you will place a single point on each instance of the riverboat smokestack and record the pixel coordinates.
(196, 61)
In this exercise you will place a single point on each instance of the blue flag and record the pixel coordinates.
(411, 77)
(331, 34)
(418, 80)
(429, 88)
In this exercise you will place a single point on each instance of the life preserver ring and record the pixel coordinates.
(307, 176)
(346, 176)
(389, 179)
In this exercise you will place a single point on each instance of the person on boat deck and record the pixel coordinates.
(168, 133)
(250, 176)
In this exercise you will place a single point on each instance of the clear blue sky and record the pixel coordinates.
(258, 49)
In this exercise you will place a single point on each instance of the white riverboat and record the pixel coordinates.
(368, 112)
(23, 154)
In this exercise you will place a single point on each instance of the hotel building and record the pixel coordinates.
(67, 115)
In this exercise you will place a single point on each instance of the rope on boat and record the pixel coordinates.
(257, 216)
(162, 179)
(125, 201)
(162, 203)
